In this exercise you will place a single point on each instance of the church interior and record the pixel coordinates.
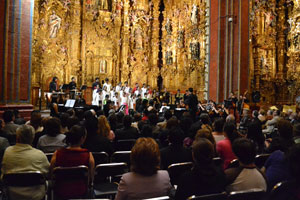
(150, 99)
(216, 47)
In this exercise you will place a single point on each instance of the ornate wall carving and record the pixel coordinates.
(120, 39)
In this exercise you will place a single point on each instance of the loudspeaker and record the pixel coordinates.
(256, 96)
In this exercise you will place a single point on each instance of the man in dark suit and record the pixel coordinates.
(192, 102)
(53, 87)
(72, 87)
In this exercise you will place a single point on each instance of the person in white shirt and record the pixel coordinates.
(127, 88)
(112, 93)
(104, 93)
(132, 101)
(115, 99)
(247, 176)
(107, 85)
(119, 87)
(137, 91)
(143, 91)
(96, 96)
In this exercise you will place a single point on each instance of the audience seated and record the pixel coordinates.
(224, 147)
(204, 178)
(127, 132)
(175, 152)
(64, 122)
(94, 141)
(145, 179)
(71, 156)
(10, 128)
(246, 176)
(3, 145)
(272, 121)
(53, 139)
(284, 140)
(276, 166)
(22, 157)
(104, 128)
(18, 119)
(255, 134)
(296, 133)
(36, 121)
(218, 129)
(40, 134)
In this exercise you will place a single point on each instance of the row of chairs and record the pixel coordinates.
(104, 184)
(259, 161)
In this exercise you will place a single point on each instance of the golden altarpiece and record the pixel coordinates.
(123, 40)
(275, 49)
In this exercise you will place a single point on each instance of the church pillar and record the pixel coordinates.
(16, 17)
(229, 48)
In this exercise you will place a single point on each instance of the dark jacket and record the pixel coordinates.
(201, 180)
(174, 154)
(126, 133)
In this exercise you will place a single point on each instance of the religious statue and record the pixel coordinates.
(104, 4)
(138, 38)
(55, 22)
(194, 15)
(195, 50)
(103, 67)
(169, 57)
(168, 27)
(180, 39)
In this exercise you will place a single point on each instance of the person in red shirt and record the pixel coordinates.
(72, 156)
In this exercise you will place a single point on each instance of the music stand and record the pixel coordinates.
(65, 86)
(83, 87)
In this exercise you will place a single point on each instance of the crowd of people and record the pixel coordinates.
(198, 135)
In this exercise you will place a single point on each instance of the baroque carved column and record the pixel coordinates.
(281, 38)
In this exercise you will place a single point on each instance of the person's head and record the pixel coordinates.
(285, 129)
(36, 120)
(244, 150)
(127, 121)
(120, 116)
(16, 113)
(73, 79)
(8, 116)
(204, 117)
(54, 79)
(190, 91)
(91, 125)
(72, 121)
(97, 80)
(296, 129)
(137, 117)
(168, 114)
(145, 157)
(255, 114)
(76, 136)
(276, 113)
(176, 136)
(230, 131)
(218, 125)
(52, 127)
(106, 80)
(153, 119)
(230, 118)
(71, 112)
(203, 151)
(103, 126)
(25, 134)
(205, 133)
(294, 161)
(245, 112)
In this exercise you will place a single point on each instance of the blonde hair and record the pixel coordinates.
(103, 126)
